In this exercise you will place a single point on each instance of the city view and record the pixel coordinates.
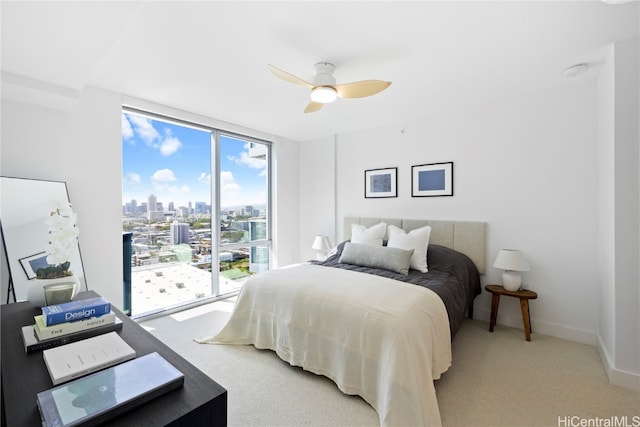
(167, 218)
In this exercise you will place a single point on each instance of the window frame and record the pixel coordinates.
(216, 133)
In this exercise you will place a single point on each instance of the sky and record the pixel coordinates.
(173, 162)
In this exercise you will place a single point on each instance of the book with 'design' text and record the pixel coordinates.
(75, 310)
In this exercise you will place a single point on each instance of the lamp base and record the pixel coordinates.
(511, 280)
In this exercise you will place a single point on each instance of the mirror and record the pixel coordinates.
(23, 211)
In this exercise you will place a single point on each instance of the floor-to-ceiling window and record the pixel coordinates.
(180, 183)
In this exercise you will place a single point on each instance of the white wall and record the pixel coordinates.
(619, 214)
(317, 213)
(81, 145)
(286, 201)
(606, 199)
(627, 199)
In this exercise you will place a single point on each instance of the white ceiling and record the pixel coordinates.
(210, 58)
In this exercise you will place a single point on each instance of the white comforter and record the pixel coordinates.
(376, 337)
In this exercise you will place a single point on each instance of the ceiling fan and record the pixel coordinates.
(324, 88)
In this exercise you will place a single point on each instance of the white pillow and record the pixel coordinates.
(368, 236)
(417, 239)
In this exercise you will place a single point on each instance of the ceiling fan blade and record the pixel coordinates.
(289, 77)
(361, 89)
(313, 106)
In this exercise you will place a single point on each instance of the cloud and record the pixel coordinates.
(227, 181)
(205, 178)
(162, 176)
(127, 131)
(169, 146)
(144, 129)
(246, 160)
(132, 179)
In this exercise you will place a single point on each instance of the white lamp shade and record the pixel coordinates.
(512, 261)
(321, 243)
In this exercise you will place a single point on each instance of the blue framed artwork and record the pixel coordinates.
(381, 183)
(433, 179)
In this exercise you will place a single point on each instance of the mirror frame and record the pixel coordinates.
(18, 251)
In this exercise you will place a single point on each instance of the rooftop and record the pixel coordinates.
(169, 285)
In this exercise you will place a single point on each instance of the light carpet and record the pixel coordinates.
(496, 379)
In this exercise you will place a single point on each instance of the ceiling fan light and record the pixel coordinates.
(324, 94)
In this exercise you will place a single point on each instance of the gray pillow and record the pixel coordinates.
(393, 259)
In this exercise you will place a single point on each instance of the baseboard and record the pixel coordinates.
(544, 328)
(617, 377)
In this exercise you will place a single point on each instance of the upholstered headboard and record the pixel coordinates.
(467, 237)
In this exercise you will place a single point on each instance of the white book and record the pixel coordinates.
(83, 357)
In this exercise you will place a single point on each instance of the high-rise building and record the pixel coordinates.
(132, 206)
(259, 255)
(201, 208)
(182, 211)
(152, 203)
(179, 233)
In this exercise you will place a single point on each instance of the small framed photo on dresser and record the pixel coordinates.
(33, 263)
(380, 183)
(433, 179)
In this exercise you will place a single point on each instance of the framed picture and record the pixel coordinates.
(381, 183)
(433, 179)
(32, 263)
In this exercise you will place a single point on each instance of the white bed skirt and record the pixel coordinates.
(376, 337)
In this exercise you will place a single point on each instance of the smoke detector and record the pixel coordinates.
(576, 70)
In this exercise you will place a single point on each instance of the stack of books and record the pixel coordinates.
(69, 322)
(100, 396)
(95, 373)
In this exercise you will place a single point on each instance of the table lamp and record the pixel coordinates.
(512, 261)
(321, 245)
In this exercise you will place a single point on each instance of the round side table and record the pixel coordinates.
(523, 295)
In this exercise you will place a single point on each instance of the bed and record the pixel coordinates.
(380, 334)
